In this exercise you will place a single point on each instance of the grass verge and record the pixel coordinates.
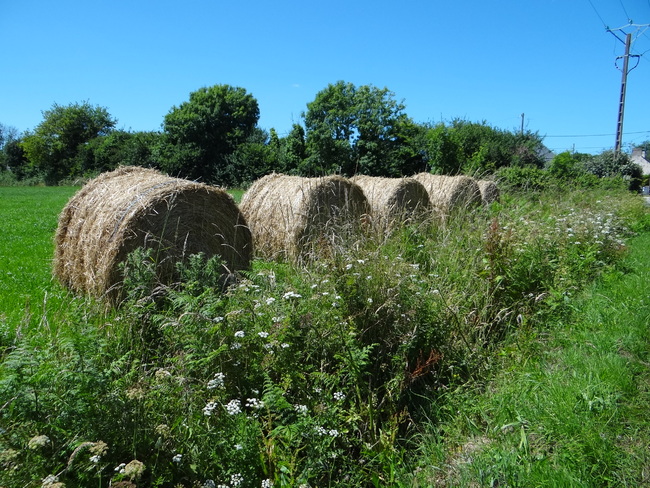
(568, 403)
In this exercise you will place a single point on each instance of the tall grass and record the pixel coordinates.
(327, 374)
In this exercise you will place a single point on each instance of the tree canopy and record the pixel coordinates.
(353, 129)
(52, 148)
(202, 133)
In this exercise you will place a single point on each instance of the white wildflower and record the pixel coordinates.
(240, 333)
(238, 447)
(177, 458)
(254, 403)
(95, 459)
(270, 300)
(291, 294)
(263, 334)
(233, 407)
(209, 408)
(339, 395)
(216, 382)
(267, 483)
(333, 433)
(236, 479)
(235, 345)
(302, 409)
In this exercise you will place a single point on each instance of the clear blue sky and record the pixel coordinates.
(552, 60)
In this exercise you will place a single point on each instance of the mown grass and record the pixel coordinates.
(429, 357)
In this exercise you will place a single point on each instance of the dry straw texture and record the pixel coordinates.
(489, 191)
(450, 193)
(133, 207)
(394, 201)
(292, 217)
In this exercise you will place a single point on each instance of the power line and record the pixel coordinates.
(626, 14)
(600, 135)
(601, 19)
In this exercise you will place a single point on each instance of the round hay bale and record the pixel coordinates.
(489, 191)
(450, 193)
(134, 207)
(295, 217)
(394, 201)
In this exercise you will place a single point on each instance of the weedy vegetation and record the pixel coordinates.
(425, 356)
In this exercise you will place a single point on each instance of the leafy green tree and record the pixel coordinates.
(440, 150)
(611, 164)
(105, 153)
(353, 129)
(250, 161)
(12, 157)
(485, 148)
(54, 146)
(201, 134)
(293, 150)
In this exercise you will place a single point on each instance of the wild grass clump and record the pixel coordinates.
(297, 375)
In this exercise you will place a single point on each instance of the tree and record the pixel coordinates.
(611, 163)
(54, 145)
(353, 129)
(202, 133)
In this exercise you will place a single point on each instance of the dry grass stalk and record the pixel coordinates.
(450, 193)
(292, 217)
(134, 207)
(394, 201)
(489, 191)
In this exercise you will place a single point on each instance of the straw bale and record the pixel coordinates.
(293, 217)
(489, 191)
(394, 201)
(134, 207)
(450, 193)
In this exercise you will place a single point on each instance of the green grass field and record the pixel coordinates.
(29, 216)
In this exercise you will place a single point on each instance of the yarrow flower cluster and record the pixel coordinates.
(254, 403)
(267, 483)
(217, 381)
(209, 408)
(339, 396)
(301, 409)
(233, 407)
(291, 294)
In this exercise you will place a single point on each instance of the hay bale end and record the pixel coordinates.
(133, 207)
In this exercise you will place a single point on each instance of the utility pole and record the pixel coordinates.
(522, 124)
(621, 103)
(625, 70)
